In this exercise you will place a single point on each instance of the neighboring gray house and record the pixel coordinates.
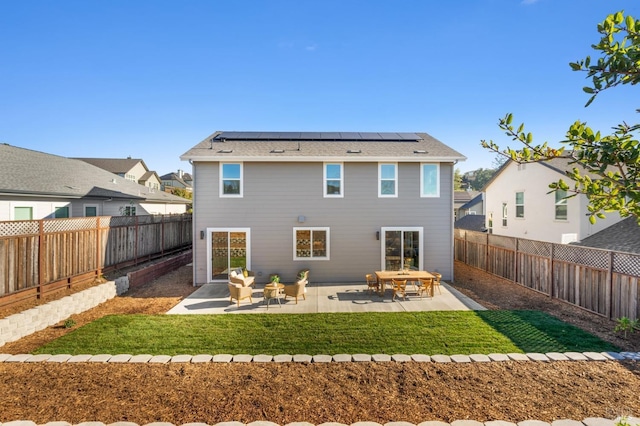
(35, 185)
(179, 180)
(475, 206)
(339, 204)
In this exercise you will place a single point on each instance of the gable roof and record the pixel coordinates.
(114, 165)
(175, 177)
(471, 222)
(321, 146)
(473, 201)
(148, 175)
(27, 172)
(621, 236)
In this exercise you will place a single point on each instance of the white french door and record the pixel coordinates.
(227, 248)
(401, 248)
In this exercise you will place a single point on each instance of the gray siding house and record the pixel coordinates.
(340, 204)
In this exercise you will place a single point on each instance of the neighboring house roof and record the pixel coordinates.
(325, 146)
(148, 175)
(471, 222)
(622, 236)
(174, 177)
(114, 165)
(27, 172)
(478, 198)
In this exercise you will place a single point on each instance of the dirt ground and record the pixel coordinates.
(317, 393)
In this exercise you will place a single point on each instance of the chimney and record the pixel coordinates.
(180, 173)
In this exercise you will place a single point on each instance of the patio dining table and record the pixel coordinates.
(410, 275)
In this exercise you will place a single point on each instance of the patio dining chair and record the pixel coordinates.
(425, 285)
(399, 287)
(238, 292)
(436, 280)
(372, 283)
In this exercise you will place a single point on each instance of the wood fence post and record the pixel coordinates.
(135, 247)
(466, 257)
(551, 271)
(486, 253)
(162, 236)
(98, 251)
(40, 258)
(515, 263)
(609, 284)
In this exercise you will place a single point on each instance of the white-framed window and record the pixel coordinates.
(311, 243)
(520, 205)
(561, 204)
(430, 180)
(23, 211)
(333, 180)
(90, 210)
(504, 214)
(132, 178)
(128, 210)
(61, 212)
(490, 223)
(402, 248)
(388, 180)
(231, 179)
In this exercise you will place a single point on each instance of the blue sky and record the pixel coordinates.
(150, 79)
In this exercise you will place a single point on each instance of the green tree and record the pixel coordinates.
(606, 168)
(457, 180)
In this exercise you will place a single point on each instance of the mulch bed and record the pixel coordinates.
(317, 393)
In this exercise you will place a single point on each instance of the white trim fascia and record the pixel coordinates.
(356, 158)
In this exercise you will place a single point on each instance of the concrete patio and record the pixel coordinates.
(214, 299)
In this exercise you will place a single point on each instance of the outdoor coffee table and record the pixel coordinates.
(272, 291)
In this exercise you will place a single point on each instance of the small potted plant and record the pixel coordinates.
(275, 279)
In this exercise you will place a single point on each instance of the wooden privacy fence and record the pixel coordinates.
(39, 256)
(602, 281)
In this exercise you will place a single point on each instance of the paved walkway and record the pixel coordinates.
(213, 298)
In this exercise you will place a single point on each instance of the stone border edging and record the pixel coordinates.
(590, 421)
(321, 358)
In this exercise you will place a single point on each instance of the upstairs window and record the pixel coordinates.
(230, 179)
(561, 204)
(520, 204)
(61, 212)
(333, 180)
(430, 180)
(388, 180)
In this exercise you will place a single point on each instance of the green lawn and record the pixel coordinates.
(444, 332)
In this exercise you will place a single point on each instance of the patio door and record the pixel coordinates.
(228, 248)
(401, 248)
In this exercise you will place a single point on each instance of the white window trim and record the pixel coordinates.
(516, 205)
(395, 194)
(403, 229)
(221, 183)
(55, 206)
(33, 206)
(437, 194)
(210, 231)
(505, 214)
(324, 180)
(84, 209)
(312, 228)
(562, 202)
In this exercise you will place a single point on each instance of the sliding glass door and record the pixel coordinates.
(401, 248)
(229, 248)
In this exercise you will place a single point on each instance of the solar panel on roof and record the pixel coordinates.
(319, 136)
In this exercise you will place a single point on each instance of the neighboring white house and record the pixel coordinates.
(36, 185)
(133, 169)
(341, 204)
(518, 204)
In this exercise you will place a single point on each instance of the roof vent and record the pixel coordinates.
(419, 151)
(225, 151)
(354, 151)
(277, 151)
